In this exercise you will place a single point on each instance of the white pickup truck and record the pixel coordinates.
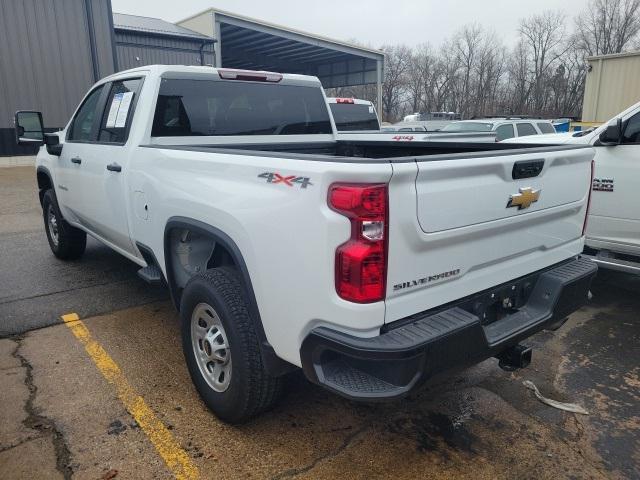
(613, 227)
(371, 265)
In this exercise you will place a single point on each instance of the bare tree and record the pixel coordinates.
(398, 62)
(518, 88)
(544, 35)
(608, 26)
(472, 73)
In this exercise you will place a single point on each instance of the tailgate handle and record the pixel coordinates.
(527, 169)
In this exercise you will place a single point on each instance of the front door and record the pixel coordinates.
(77, 146)
(615, 210)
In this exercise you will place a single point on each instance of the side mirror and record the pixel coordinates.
(29, 128)
(52, 141)
(612, 135)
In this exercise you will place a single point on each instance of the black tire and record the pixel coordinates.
(66, 242)
(251, 390)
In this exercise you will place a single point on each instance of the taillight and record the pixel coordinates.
(361, 262)
(249, 75)
(345, 100)
(586, 215)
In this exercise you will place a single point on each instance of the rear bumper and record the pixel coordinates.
(391, 364)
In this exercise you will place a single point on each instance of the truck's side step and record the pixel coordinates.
(151, 274)
(613, 263)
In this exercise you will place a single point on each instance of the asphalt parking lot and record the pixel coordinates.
(110, 397)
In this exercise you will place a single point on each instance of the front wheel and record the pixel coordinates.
(66, 242)
(221, 347)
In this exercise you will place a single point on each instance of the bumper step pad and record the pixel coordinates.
(151, 274)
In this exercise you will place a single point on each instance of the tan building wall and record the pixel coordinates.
(613, 85)
(201, 23)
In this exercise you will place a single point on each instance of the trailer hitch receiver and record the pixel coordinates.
(514, 358)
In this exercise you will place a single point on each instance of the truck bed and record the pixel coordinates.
(368, 151)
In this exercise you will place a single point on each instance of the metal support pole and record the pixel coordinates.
(379, 88)
(217, 48)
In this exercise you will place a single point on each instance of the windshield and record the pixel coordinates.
(352, 116)
(467, 127)
(210, 107)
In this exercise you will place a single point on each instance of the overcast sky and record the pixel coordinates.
(371, 22)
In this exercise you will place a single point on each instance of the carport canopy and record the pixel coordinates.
(248, 43)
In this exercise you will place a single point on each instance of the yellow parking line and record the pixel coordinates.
(177, 460)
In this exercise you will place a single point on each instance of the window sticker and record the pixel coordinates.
(123, 109)
(113, 110)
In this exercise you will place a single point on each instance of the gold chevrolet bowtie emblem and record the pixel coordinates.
(524, 199)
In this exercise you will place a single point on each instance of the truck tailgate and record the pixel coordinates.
(480, 220)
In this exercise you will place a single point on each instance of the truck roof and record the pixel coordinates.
(199, 71)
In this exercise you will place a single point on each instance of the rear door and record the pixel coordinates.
(481, 220)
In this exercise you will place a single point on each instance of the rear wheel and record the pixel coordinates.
(66, 242)
(221, 347)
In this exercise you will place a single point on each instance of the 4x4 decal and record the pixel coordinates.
(288, 180)
(399, 138)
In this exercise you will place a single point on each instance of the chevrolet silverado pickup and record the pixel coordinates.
(370, 264)
(613, 228)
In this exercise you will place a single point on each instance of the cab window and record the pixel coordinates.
(632, 130)
(504, 131)
(118, 111)
(82, 125)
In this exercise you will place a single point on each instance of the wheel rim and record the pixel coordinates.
(211, 347)
(52, 224)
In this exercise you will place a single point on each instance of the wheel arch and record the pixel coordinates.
(45, 181)
(274, 364)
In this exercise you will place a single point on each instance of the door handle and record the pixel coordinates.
(77, 160)
(114, 167)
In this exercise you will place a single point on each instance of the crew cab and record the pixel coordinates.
(613, 228)
(370, 264)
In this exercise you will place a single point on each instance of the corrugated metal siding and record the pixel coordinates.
(137, 49)
(613, 84)
(45, 60)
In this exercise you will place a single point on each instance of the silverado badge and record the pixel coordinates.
(524, 199)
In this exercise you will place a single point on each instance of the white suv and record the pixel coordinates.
(504, 127)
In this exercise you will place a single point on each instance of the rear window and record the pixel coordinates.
(210, 107)
(467, 127)
(546, 127)
(352, 116)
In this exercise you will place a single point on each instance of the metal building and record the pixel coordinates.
(613, 84)
(50, 53)
(243, 42)
(148, 41)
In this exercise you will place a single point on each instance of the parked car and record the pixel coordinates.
(371, 265)
(504, 127)
(407, 127)
(613, 229)
(353, 114)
